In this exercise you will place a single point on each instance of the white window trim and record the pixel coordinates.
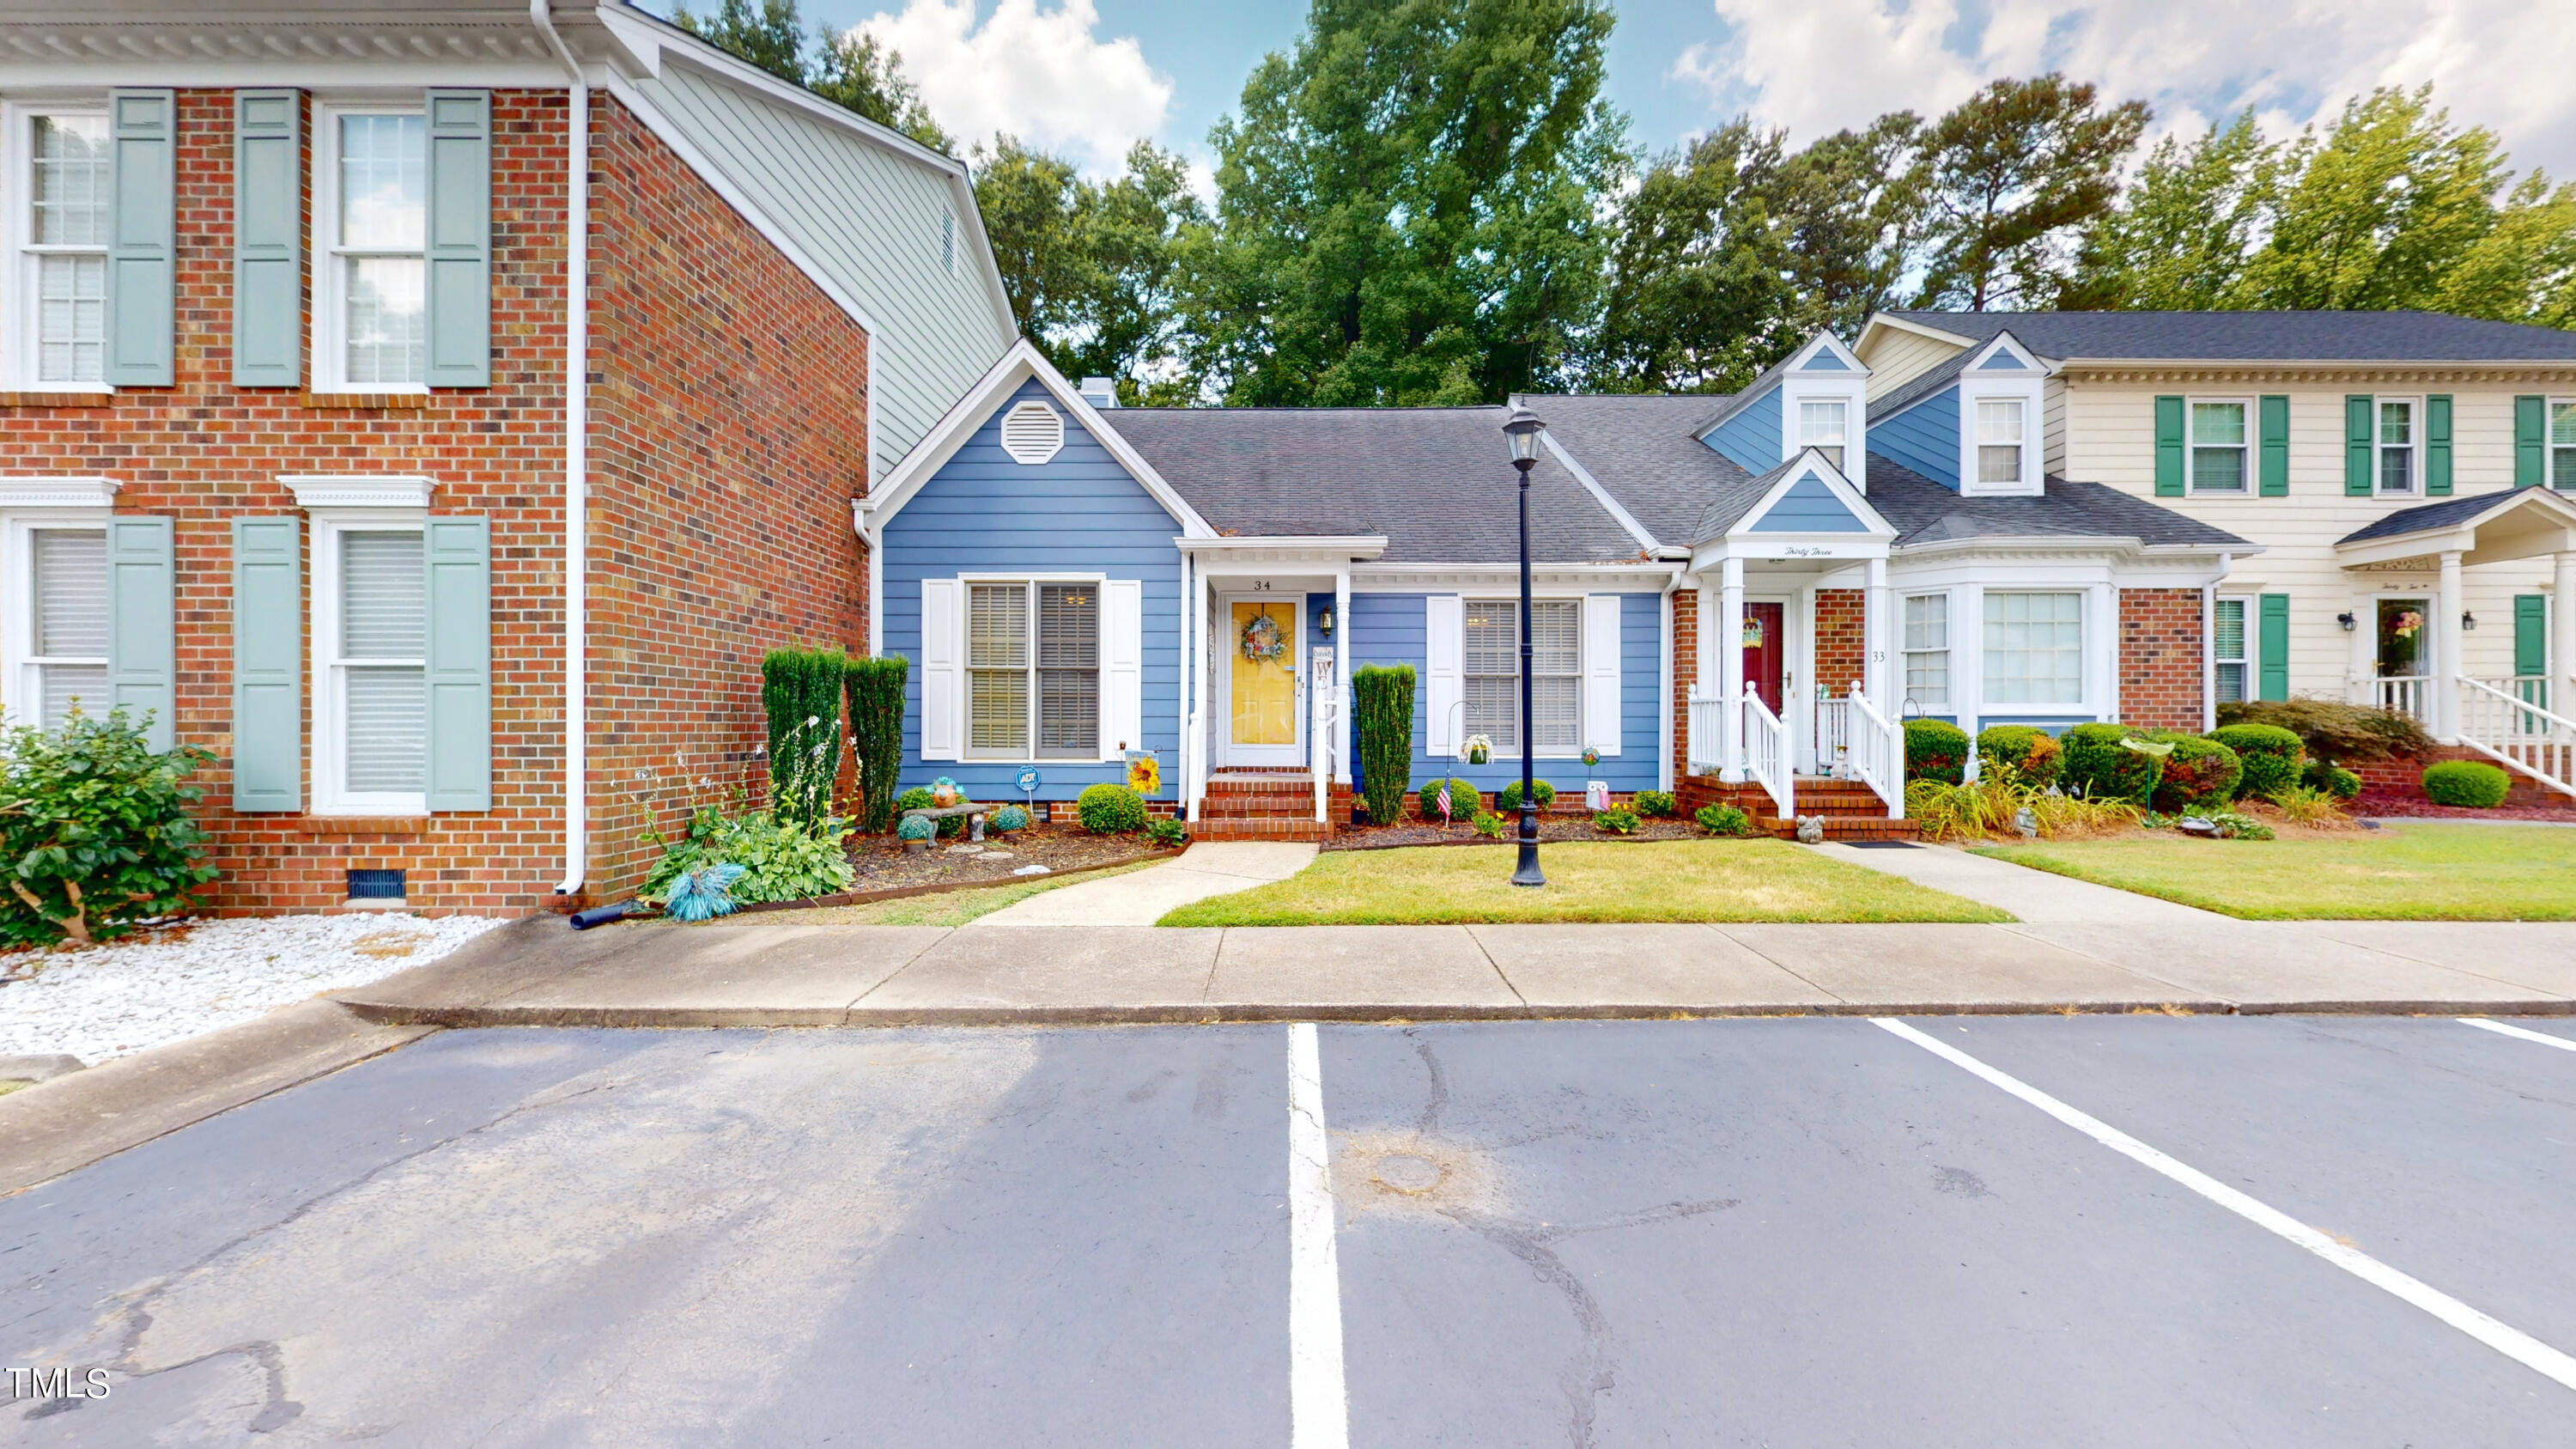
(330, 714)
(1582, 725)
(2027, 382)
(2089, 689)
(2252, 659)
(330, 369)
(1949, 650)
(18, 310)
(1851, 389)
(26, 505)
(2251, 448)
(2549, 446)
(2414, 445)
(967, 754)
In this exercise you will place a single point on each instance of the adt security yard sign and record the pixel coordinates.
(1028, 783)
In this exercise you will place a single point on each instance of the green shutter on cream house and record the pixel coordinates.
(2273, 467)
(2358, 434)
(2272, 639)
(2169, 447)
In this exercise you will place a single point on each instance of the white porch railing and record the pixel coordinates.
(1703, 751)
(2510, 722)
(1878, 753)
(2407, 694)
(1766, 754)
(1833, 733)
(1194, 775)
(1320, 738)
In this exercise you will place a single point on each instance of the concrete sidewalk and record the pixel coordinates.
(1140, 897)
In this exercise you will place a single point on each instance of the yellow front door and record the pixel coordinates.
(1265, 688)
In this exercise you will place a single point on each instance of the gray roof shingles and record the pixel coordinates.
(2426, 516)
(2262, 336)
(1925, 512)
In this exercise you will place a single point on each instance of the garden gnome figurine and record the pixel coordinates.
(1811, 830)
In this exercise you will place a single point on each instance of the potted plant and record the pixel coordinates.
(1479, 750)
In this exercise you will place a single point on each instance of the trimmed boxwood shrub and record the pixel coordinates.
(1935, 750)
(2199, 774)
(2273, 757)
(1656, 804)
(2468, 783)
(2099, 766)
(875, 690)
(1007, 819)
(914, 827)
(1108, 809)
(2030, 750)
(1382, 710)
(1464, 802)
(1507, 800)
(2335, 780)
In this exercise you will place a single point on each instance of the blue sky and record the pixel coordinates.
(1084, 77)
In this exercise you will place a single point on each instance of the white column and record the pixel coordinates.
(2446, 652)
(1878, 640)
(1185, 765)
(1342, 677)
(1199, 671)
(2562, 652)
(1730, 670)
(1807, 689)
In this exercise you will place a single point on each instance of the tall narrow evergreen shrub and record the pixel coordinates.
(801, 691)
(1382, 701)
(876, 728)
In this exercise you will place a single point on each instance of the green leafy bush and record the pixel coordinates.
(2333, 730)
(2032, 753)
(800, 689)
(2199, 773)
(1935, 750)
(1656, 804)
(1507, 800)
(1006, 820)
(2335, 780)
(2233, 825)
(2100, 765)
(1489, 825)
(1167, 833)
(2273, 757)
(1382, 707)
(1723, 820)
(1464, 802)
(914, 827)
(920, 797)
(1108, 809)
(2472, 784)
(875, 689)
(791, 860)
(1618, 820)
(95, 829)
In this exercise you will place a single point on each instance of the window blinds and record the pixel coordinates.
(383, 637)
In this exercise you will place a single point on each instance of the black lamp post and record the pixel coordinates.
(1524, 430)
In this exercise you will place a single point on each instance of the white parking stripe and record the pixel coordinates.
(2513, 1343)
(1319, 1414)
(2500, 1029)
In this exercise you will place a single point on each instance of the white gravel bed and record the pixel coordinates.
(146, 990)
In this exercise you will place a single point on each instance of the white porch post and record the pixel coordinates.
(1206, 743)
(1877, 639)
(1342, 677)
(2562, 654)
(1808, 690)
(2447, 654)
(1730, 666)
(1187, 765)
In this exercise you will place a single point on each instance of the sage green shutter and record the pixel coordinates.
(460, 239)
(2530, 441)
(2356, 446)
(268, 250)
(2274, 412)
(142, 640)
(2169, 460)
(268, 664)
(2272, 637)
(457, 555)
(142, 237)
(2437, 446)
(2530, 635)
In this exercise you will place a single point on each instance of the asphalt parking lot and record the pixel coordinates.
(1816, 1231)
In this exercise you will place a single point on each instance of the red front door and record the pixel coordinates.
(1764, 648)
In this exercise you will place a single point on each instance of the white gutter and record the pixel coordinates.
(576, 456)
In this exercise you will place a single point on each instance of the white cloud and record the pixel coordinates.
(1043, 76)
(1827, 64)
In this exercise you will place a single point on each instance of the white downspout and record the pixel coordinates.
(576, 457)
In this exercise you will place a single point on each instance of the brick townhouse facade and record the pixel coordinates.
(289, 454)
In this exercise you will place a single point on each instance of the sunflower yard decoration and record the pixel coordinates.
(1144, 773)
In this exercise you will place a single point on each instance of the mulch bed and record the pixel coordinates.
(2415, 807)
(1558, 827)
(883, 864)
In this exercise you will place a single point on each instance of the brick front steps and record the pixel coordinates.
(1260, 805)
(1851, 810)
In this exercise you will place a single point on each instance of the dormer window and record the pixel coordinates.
(2002, 427)
(1821, 424)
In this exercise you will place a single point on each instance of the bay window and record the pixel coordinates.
(60, 175)
(1033, 670)
(1490, 674)
(2219, 455)
(1927, 651)
(372, 317)
(2034, 648)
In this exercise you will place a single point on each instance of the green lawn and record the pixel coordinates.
(1675, 880)
(2411, 872)
(951, 908)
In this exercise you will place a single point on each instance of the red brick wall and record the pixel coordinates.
(727, 440)
(203, 451)
(1685, 674)
(2160, 658)
(1842, 648)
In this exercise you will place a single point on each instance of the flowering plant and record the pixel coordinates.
(2408, 623)
(1478, 749)
(1262, 639)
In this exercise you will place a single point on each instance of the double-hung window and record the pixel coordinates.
(374, 310)
(371, 631)
(2397, 445)
(2001, 439)
(2562, 444)
(1821, 424)
(1033, 670)
(1491, 665)
(2229, 660)
(1927, 650)
(2034, 650)
(59, 294)
(67, 608)
(2220, 460)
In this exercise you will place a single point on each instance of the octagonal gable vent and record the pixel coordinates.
(1032, 432)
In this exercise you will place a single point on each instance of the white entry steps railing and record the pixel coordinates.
(2408, 694)
(1703, 752)
(1878, 752)
(1766, 754)
(2513, 726)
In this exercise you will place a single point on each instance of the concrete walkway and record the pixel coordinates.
(1140, 897)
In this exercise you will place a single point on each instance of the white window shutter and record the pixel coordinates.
(1122, 666)
(1601, 718)
(943, 675)
(1444, 641)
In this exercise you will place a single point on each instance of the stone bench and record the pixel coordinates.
(974, 814)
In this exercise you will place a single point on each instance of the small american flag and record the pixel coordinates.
(1444, 802)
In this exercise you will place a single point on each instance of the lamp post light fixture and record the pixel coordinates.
(1524, 430)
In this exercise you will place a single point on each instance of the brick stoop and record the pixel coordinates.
(1273, 804)
(1851, 810)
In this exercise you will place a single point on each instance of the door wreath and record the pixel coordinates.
(1262, 639)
